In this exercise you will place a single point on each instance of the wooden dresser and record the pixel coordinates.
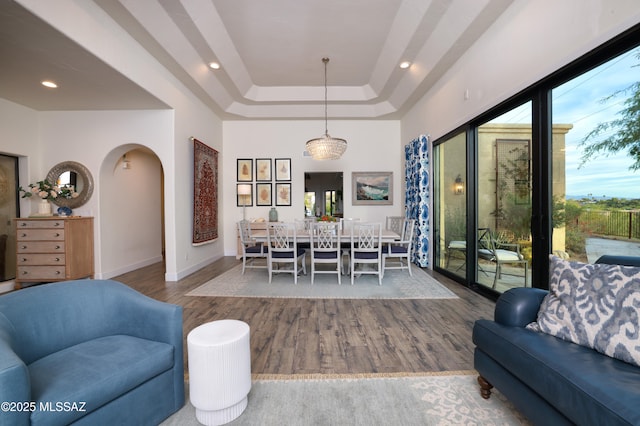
(54, 249)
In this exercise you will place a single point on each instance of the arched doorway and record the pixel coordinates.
(131, 210)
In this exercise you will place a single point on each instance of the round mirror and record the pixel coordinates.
(71, 173)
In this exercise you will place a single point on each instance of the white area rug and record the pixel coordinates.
(397, 284)
(442, 399)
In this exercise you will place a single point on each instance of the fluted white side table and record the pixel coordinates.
(219, 356)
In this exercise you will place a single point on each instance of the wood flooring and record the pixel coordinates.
(307, 336)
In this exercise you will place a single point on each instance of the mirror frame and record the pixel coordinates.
(87, 183)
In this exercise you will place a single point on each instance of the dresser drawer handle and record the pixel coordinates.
(23, 224)
(23, 247)
(58, 247)
(57, 234)
(57, 272)
(25, 272)
(57, 259)
(56, 224)
(24, 259)
(23, 235)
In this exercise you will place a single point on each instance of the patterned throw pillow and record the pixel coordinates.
(593, 305)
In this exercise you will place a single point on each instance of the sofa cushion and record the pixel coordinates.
(593, 305)
(586, 386)
(93, 373)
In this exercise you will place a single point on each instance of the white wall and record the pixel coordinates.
(529, 41)
(372, 146)
(166, 132)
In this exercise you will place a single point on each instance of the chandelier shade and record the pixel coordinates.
(326, 147)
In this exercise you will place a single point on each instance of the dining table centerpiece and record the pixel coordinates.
(48, 192)
(327, 218)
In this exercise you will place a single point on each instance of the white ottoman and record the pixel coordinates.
(219, 357)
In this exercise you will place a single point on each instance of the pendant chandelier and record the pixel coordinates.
(326, 147)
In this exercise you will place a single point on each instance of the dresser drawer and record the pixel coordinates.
(39, 224)
(40, 246)
(44, 273)
(40, 234)
(41, 259)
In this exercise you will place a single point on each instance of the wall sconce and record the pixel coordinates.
(126, 164)
(458, 187)
(244, 192)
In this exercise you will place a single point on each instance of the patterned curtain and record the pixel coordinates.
(418, 197)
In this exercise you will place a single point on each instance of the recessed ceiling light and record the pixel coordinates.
(405, 64)
(48, 83)
(214, 65)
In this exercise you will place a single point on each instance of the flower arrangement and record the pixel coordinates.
(47, 191)
(327, 218)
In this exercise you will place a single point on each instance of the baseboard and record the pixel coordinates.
(7, 286)
(128, 268)
(190, 270)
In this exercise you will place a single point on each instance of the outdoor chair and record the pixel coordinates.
(366, 250)
(397, 255)
(251, 250)
(501, 254)
(283, 250)
(325, 248)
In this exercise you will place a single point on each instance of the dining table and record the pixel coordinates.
(302, 236)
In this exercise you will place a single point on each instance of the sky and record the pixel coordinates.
(580, 102)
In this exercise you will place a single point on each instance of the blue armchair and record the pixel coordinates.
(89, 351)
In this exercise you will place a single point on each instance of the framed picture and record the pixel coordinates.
(263, 194)
(244, 194)
(283, 194)
(283, 169)
(263, 169)
(371, 188)
(245, 170)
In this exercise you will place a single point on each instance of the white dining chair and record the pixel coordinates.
(283, 250)
(346, 226)
(395, 224)
(325, 249)
(366, 250)
(397, 255)
(251, 250)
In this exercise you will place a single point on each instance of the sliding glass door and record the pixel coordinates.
(554, 170)
(450, 167)
(503, 231)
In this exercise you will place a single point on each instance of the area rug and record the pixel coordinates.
(439, 399)
(397, 284)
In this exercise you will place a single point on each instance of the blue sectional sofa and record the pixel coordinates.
(92, 352)
(550, 380)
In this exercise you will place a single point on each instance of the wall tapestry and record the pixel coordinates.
(205, 193)
(418, 197)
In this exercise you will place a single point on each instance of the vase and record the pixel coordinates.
(273, 215)
(44, 208)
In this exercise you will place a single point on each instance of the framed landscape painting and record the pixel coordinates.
(371, 188)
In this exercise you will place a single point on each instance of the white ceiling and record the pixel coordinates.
(270, 52)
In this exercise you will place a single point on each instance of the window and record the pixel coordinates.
(596, 193)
